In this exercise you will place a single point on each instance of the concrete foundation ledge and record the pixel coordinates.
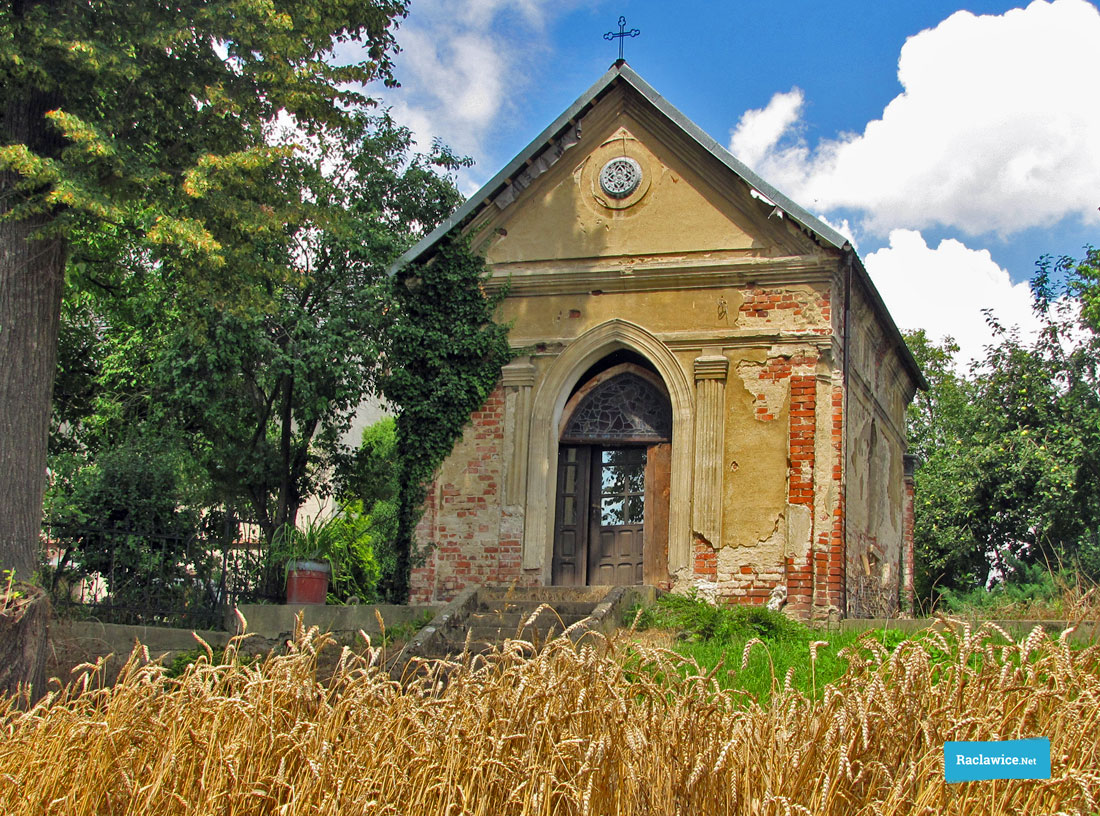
(274, 621)
(119, 639)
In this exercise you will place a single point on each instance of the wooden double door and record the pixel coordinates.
(612, 503)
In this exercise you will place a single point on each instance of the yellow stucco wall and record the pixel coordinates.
(696, 263)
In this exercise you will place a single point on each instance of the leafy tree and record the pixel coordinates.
(1010, 467)
(154, 119)
(948, 550)
(125, 519)
(265, 396)
(262, 397)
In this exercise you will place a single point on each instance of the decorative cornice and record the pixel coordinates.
(689, 340)
(636, 275)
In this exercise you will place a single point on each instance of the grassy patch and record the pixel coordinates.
(1034, 593)
(755, 650)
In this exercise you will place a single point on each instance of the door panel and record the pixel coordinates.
(599, 531)
(570, 561)
(658, 466)
(617, 523)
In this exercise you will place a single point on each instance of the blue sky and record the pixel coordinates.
(954, 142)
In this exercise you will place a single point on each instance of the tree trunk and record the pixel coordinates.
(31, 274)
(30, 308)
(23, 618)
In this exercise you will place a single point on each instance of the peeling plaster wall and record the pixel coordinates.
(880, 390)
(778, 406)
(743, 307)
(755, 490)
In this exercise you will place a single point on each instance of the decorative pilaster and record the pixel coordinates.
(517, 379)
(711, 370)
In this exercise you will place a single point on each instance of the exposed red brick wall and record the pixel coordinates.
(800, 484)
(751, 585)
(464, 523)
(829, 556)
(761, 303)
(705, 561)
(803, 413)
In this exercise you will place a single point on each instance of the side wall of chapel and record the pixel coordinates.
(879, 391)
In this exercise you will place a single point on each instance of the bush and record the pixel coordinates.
(699, 620)
(368, 486)
(123, 517)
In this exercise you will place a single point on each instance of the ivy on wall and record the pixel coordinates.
(444, 357)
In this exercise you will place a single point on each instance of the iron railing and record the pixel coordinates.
(149, 577)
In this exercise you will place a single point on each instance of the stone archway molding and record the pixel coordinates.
(549, 403)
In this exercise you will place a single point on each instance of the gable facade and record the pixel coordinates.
(707, 391)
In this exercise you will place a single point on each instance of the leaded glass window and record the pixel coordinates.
(625, 408)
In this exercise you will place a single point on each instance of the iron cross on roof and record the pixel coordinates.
(623, 34)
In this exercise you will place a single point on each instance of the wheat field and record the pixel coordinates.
(599, 727)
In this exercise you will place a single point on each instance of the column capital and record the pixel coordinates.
(909, 464)
(711, 367)
(517, 374)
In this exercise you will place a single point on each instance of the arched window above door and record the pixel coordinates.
(624, 404)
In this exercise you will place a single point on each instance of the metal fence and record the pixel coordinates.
(149, 577)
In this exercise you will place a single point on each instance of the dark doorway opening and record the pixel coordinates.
(611, 513)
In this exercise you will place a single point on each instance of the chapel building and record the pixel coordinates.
(707, 392)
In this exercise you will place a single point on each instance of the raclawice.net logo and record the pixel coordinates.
(1004, 759)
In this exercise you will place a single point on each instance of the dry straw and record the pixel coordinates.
(596, 728)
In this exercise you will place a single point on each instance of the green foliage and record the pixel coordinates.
(444, 359)
(343, 540)
(1081, 280)
(719, 638)
(369, 480)
(145, 138)
(261, 396)
(405, 631)
(156, 116)
(353, 551)
(698, 620)
(124, 518)
(1010, 454)
(1031, 586)
(184, 660)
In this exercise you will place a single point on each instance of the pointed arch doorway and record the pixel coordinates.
(614, 455)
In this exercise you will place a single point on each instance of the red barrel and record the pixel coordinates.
(307, 582)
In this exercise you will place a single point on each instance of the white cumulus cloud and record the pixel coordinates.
(461, 63)
(758, 132)
(997, 130)
(944, 289)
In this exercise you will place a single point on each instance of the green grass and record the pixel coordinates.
(715, 637)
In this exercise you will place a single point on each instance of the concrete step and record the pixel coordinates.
(551, 594)
(497, 634)
(514, 620)
(491, 615)
(528, 605)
